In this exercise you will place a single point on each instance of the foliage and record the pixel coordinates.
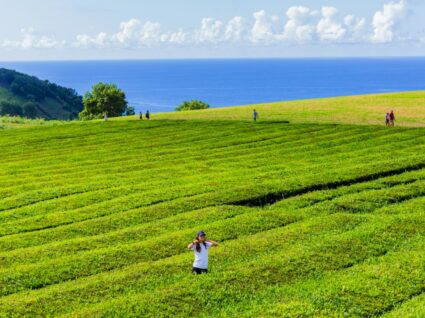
(130, 111)
(312, 220)
(103, 99)
(192, 105)
(24, 89)
(10, 109)
(31, 109)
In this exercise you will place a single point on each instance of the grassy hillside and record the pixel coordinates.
(27, 96)
(409, 108)
(313, 220)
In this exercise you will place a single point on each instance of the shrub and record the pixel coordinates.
(193, 105)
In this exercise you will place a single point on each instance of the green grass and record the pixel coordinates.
(313, 220)
(409, 108)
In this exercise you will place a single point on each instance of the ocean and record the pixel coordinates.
(161, 85)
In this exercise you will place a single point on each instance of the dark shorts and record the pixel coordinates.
(199, 270)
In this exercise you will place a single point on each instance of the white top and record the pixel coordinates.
(201, 258)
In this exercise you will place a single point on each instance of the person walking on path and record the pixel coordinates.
(147, 115)
(387, 119)
(255, 115)
(200, 246)
(392, 118)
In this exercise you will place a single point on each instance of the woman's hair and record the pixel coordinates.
(198, 245)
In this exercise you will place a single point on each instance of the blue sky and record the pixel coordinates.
(76, 29)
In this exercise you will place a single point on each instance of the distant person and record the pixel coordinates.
(105, 117)
(255, 115)
(200, 246)
(141, 116)
(392, 118)
(147, 115)
(387, 119)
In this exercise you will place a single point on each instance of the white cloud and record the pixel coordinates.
(178, 37)
(355, 28)
(235, 29)
(298, 27)
(385, 21)
(262, 29)
(100, 40)
(328, 28)
(31, 40)
(301, 25)
(211, 31)
(132, 34)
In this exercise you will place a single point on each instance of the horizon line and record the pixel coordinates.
(217, 58)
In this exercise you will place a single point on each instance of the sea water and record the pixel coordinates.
(161, 85)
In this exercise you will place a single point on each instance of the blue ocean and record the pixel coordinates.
(161, 85)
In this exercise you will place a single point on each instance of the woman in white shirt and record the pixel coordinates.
(200, 247)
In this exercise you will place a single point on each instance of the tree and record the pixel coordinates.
(30, 109)
(103, 99)
(10, 109)
(192, 105)
(130, 111)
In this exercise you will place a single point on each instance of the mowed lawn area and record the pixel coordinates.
(313, 219)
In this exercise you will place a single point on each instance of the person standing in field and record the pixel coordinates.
(255, 115)
(387, 119)
(105, 117)
(140, 115)
(147, 115)
(392, 118)
(200, 246)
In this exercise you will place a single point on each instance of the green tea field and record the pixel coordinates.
(312, 219)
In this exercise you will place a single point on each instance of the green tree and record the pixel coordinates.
(103, 99)
(130, 111)
(192, 105)
(10, 109)
(30, 109)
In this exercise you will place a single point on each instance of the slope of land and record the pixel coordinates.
(409, 108)
(313, 220)
(24, 95)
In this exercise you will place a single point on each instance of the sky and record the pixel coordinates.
(33, 30)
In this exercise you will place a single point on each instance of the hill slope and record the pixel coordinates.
(312, 220)
(24, 95)
(409, 108)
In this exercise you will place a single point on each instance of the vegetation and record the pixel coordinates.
(313, 220)
(104, 99)
(409, 108)
(193, 105)
(23, 95)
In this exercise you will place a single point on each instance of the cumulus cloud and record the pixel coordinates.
(235, 29)
(328, 28)
(31, 40)
(262, 31)
(132, 34)
(178, 37)
(384, 21)
(211, 31)
(355, 27)
(299, 27)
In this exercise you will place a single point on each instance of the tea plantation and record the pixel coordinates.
(313, 220)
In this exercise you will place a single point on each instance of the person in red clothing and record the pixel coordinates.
(392, 118)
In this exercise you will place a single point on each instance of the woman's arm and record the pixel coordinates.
(190, 246)
(214, 243)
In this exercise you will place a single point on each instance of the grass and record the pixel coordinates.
(7, 122)
(313, 220)
(355, 110)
